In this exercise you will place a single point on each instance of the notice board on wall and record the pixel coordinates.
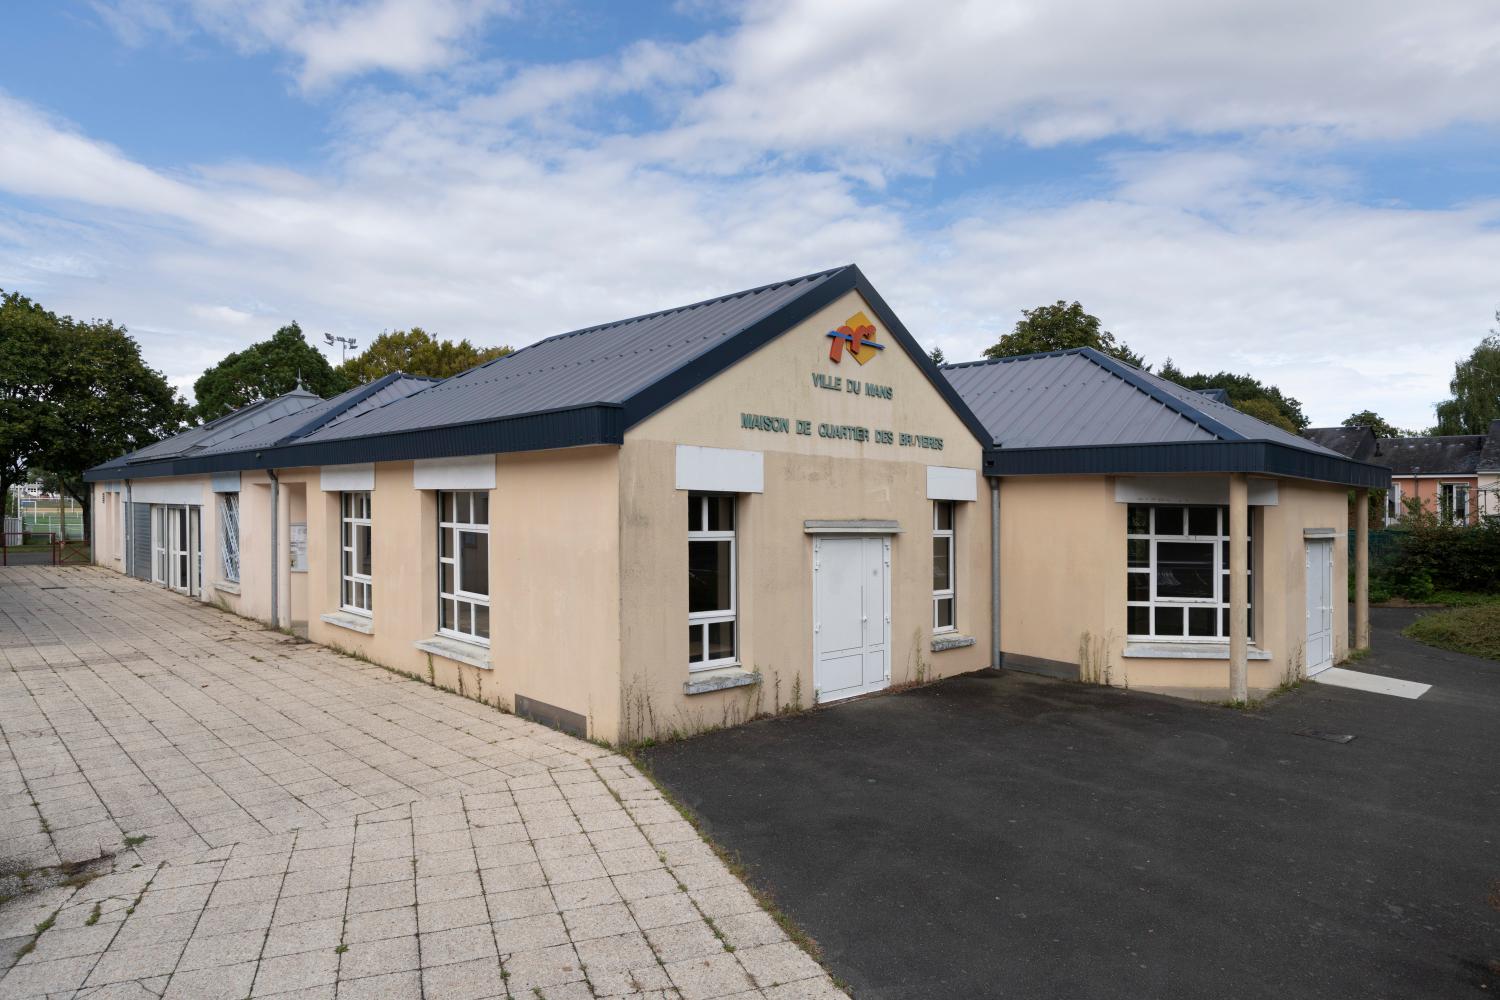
(298, 542)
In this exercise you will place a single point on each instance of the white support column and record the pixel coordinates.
(1239, 588)
(1361, 569)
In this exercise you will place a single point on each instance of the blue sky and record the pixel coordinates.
(1309, 194)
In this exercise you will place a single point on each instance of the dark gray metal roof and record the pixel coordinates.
(1080, 411)
(262, 424)
(579, 388)
(1358, 443)
(608, 364)
(1451, 454)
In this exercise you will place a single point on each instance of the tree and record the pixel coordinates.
(1060, 327)
(415, 352)
(1476, 390)
(937, 356)
(1241, 389)
(108, 402)
(1376, 423)
(265, 370)
(73, 395)
(28, 354)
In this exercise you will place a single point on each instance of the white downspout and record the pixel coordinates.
(275, 551)
(995, 656)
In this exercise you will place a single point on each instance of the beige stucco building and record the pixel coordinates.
(765, 501)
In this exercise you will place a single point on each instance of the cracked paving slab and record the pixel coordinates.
(318, 827)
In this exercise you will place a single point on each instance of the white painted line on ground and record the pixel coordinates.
(1339, 677)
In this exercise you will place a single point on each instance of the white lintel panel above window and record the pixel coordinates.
(947, 483)
(347, 478)
(226, 482)
(1212, 491)
(720, 470)
(471, 472)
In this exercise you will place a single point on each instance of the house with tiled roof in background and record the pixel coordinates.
(1456, 476)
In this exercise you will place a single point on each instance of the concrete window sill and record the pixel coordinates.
(472, 653)
(720, 680)
(1187, 651)
(951, 640)
(355, 623)
(226, 586)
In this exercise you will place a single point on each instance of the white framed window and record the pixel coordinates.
(1453, 502)
(1393, 509)
(464, 565)
(711, 581)
(355, 586)
(229, 537)
(1177, 573)
(944, 617)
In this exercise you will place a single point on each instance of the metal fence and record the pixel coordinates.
(29, 548)
(1385, 548)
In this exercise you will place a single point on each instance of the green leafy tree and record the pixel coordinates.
(1241, 389)
(28, 354)
(108, 400)
(265, 370)
(1263, 409)
(1476, 390)
(1061, 326)
(937, 356)
(415, 352)
(1376, 423)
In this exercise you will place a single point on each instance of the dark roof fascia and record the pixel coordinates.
(571, 427)
(1260, 457)
(694, 373)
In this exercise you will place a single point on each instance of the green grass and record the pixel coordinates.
(1462, 598)
(1473, 629)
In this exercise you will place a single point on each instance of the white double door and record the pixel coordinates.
(1319, 605)
(851, 616)
(176, 548)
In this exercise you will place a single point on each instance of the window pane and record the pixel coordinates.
(1169, 520)
(945, 612)
(942, 569)
(708, 576)
(348, 528)
(1201, 621)
(482, 621)
(1138, 552)
(721, 640)
(695, 643)
(1138, 587)
(481, 512)
(363, 536)
(461, 508)
(1138, 520)
(720, 513)
(474, 562)
(445, 542)
(344, 504)
(1203, 520)
(695, 512)
(1168, 621)
(1138, 621)
(1185, 569)
(449, 615)
(943, 515)
(446, 583)
(445, 506)
(465, 611)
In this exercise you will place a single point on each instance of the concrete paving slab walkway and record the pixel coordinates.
(276, 819)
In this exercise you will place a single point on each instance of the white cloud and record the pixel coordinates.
(330, 39)
(525, 209)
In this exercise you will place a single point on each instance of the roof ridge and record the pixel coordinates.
(665, 312)
(1012, 357)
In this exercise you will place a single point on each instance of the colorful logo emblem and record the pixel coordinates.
(857, 336)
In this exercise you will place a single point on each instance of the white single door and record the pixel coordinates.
(160, 572)
(1319, 605)
(851, 616)
(177, 548)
